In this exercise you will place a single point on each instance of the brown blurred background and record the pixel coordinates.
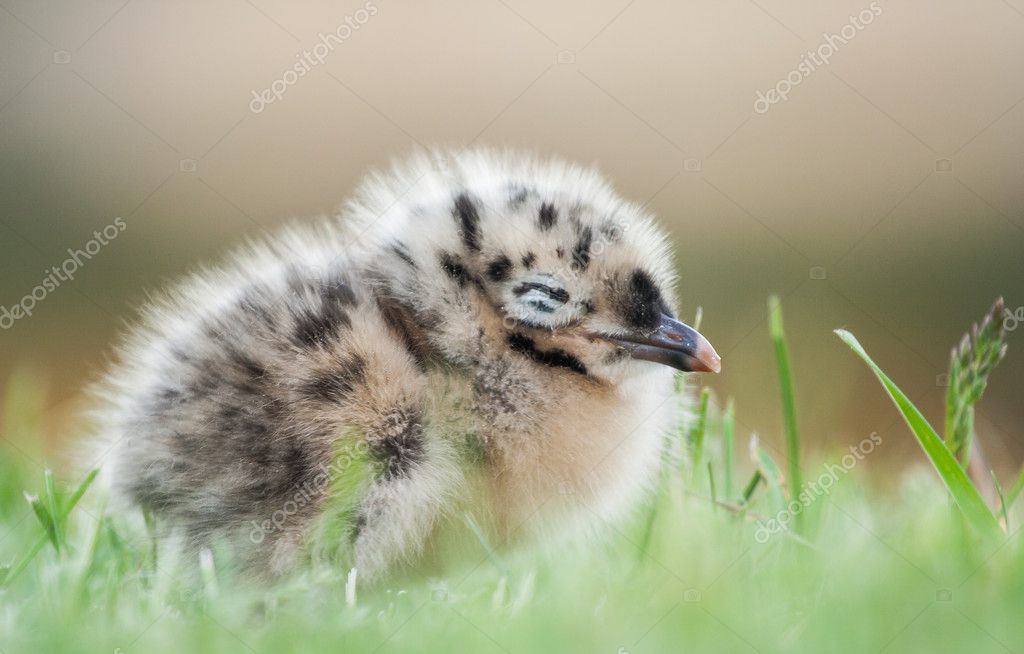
(885, 195)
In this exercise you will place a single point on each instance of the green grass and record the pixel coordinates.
(901, 571)
(778, 336)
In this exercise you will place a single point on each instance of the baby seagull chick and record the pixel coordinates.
(479, 335)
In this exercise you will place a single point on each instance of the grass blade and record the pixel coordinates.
(52, 503)
(748, 490)
(46, 519)
(1015, 490)
(728, 445)
(1002, 501)
(697, 432)
(659, 493)
(774, 481)
(963, 492)
(20, 566)
(788, 396)
(711, 481)
(68, 505)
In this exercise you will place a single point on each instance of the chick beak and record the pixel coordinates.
(672, 344)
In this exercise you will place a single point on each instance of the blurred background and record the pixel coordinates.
(863, 160)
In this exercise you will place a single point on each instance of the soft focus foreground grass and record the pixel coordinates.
(898, 573)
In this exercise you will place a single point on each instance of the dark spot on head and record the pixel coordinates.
(547, 216)
(575, 211)
(402, 252)
(337, 384)
(560, 252)
(588, 306)
(642, 304)
(611, 231)
(528, 259)
(499, 269)
(468, 217)
(581, 251)
(453, 268)
(554, 358)
(517, 195)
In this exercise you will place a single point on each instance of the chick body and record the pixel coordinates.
(440, 332)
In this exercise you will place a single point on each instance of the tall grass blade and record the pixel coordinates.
(20, 566)
(46, 519)
(66, 509)
(79, 492)
(748, 490)
(774, 481)
(788, 397)
(699, 429)
(656, 501)
(52, 503)
(1002, 501)
(1015, 490)
(963, 492)
(711, 482)
(728, 446)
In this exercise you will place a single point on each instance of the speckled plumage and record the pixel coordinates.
(452, 302)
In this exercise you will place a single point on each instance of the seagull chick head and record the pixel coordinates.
(493, 254)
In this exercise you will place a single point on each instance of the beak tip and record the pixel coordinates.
(711, 361)
(707, 357)
(715, 365)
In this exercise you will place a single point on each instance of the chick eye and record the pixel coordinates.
(539, 299)
(543, 296)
